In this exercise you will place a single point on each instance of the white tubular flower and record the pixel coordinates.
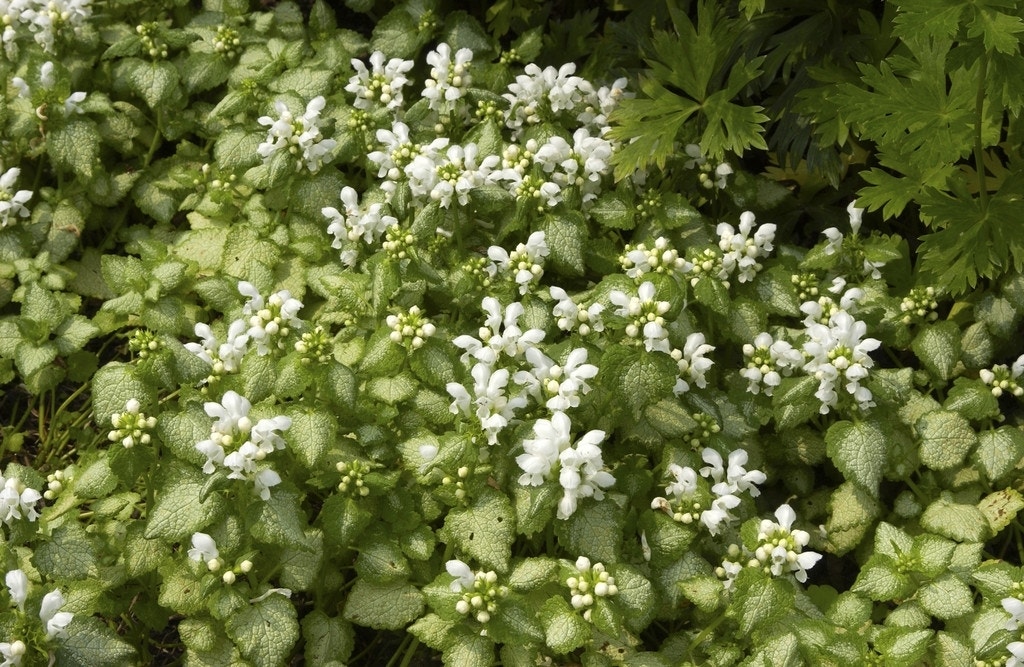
(132, 426)
(1016, 658)
(856, 216)
(204, 550)
(54, 620)
(12, 652)
(17, 501)
(17, 585)
(301, 137)
(464, 576)
(709, 177)
(356, 221)
(1003, 379)
(270, 322)
(582, 165)
(837, 353)
(768, 361)
(692, 364)
(541, 457)
(582, 473)
(719, 513)
(449, 78)
(525, 264)
(741, 250)
(540, 94)
(1014, 607)
(640, 309)
(263, 481)
(573, 317)
(451, 176)
(600, 103)
(780, 546)
(494, 408)
(381, 85)
(661, 257)
(223, 357)
(738, 479)
(500, 334)
(12, 202)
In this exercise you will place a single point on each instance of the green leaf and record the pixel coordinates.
(999, 316)
(610, 210)
(178, 511)
(393, 389)
(760, 599)
(640, 378)
(75, 146)
(711, 292)
(91, 643)
(68, 554)
(433, 631)
(951, 650)
(310, 436)
(266, 631)
(236, 150)
(483, 531)
(156, 82)
(963, 523)
(859, 451)
(535, 506)
(279, 520)
(852, 511)
(903, 646)
(306, 82)
(343, 518)
(946, 597)
(705, 592)
(595, 529)
(946, 439)
(566, 236)
(564, 630)
(938, 348)
(794, 402)
(1001, 507)
(533, 573)
(880, 580)
(636, 596)
(470, 650)
(381, 561)
(973, 399)
(389, 606)
(396, 34)
(999, 451)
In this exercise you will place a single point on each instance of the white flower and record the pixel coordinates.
(781, 546)
(494, 408)
(525, 264)
(12, 203)
(12, 652)
(204, 549)
(768, 361)
(500, 334)
(17, 501)
(464, 576)
(301, 137)
(1015, 608)
(262, 482)
(582, 165)
(358, 221)
(221, 357)
(271, 321)
(1016, 658)
(17, 585)
(582, 473)
(539, 94)
(692, 364)
(741, 251)
(836, 353)
(451, 176)
(541, 453)
(449, 78)
(719, 513)
(571, 316)
(382, 85)
(54, 620)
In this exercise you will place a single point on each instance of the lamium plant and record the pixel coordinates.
(530, 334)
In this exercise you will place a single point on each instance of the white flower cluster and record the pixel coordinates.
(837, 356)
(638, 260)
(920, 305)
(768, 361)
(54, 621)
(583, 164)
(779, 550)
(822, 309)
(354, 223)
(480, 591)
(869, 269)
(132, 426)
(686, 496)
(645, 315)
(40, 19)
(238, 445)
(500, 334)
(580, 467)
(204, 550)
(12, 202)
(522, 180)
(1003, 379)
(572, 316)
(493, 406)
(449, 77)
(448, 176)
(524, 265)
(555, 386)
(47, 82)
(741, 250)
(270, 321)
(223, 357)
(1015, 608)
(709, 177)
(381, 85)
(300, 137)
(17, 501)
(411, 328)
(592, 581)
(539, 94)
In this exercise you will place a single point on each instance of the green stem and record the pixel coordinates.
(150, 154)
(979, 156)
(410, 652)
(708, 629)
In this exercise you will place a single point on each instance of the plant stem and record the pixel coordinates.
(979, 156)
(710, 627)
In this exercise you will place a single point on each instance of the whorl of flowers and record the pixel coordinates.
(449, 77)
(837, 356)
(299, 136)
(12, 202)
(380, 85)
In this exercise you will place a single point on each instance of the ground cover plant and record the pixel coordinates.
(398, 333)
